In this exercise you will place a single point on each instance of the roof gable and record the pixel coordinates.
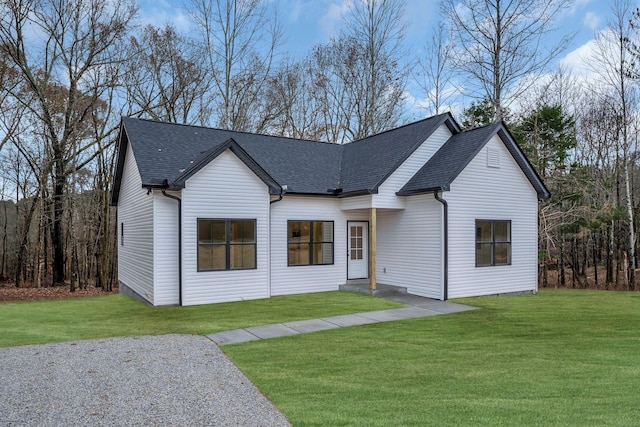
(451, 159)
(168, 154)
(123, 143)
(368, 162)
(166, 151)
(232, 146)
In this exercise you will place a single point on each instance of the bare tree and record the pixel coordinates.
(12, 110)
(435, 73)
(500, 42)
(79, 39)
(338, 88)
(353, 86)
(165, 77)
(292, 98)
(240, 38)
(376, 27)
(613, 62)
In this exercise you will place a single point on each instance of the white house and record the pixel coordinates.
(209, 215)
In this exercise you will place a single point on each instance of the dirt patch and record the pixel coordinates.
(9, 292)
(580, 281)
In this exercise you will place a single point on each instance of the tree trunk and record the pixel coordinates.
(24, 239)
(561, 270)
(3, 267)
(610, 255)
(57, 236)
(625, 270)
(575, 268)
(595, 260)
(545, 272)
(585, 259)
(631, 272)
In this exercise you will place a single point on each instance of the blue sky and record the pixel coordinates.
(310, 22)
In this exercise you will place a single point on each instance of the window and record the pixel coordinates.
(310, 242)
(226, 244)
(357, 242)
(493, 243)
(122, 234)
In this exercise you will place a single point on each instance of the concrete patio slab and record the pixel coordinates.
(313, 325)
(232, 337)
(438, 306)
(272, 331)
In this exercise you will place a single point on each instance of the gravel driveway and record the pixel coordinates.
(169, 380)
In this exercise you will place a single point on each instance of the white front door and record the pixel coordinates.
(358, 250)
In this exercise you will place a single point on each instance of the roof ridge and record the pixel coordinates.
(229, 130)
(495, 123)
(399, 127)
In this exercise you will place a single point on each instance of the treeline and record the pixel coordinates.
(70, 68)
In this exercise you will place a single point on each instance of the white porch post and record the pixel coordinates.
(372, 249)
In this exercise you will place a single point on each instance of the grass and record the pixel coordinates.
(117, 315)
(560, 357)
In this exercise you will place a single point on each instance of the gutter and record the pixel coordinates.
(283, 190)
(179, 200)
(445, 283)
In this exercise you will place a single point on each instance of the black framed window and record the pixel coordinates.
(309, 242)
(226, 244)
(493, 242)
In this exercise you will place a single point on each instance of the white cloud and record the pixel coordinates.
(592, 20)
(159, 13)
(296, 10)
(330, 21)
(577, 5)
(422, 106)
(577, 60)
(594, 64)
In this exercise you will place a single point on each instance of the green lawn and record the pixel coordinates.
(560, 357)
(117, 315)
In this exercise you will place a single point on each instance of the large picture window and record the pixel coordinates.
(309, 242)
(226, 244)
(493, 242)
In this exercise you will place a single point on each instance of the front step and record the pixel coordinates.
(361, 286)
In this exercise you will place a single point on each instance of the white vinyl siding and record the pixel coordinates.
(308, 278)
(482, 192)
(165, 254)
(386, 197)
(135, 248)
(409, 247)
(225, 188)
(356, 202)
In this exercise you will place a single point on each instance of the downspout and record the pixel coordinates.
(283, 189)
(179, 200)
(445, 283)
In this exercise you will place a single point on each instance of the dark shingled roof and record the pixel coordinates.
(368, 162)
(168, 154)
(454, 155)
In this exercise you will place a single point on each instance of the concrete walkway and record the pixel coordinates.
(418, 307)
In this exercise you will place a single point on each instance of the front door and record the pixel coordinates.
(358, 250)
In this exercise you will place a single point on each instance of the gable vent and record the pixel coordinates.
(493, 158)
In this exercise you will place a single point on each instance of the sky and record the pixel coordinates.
(307, 23)
(310, 22)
